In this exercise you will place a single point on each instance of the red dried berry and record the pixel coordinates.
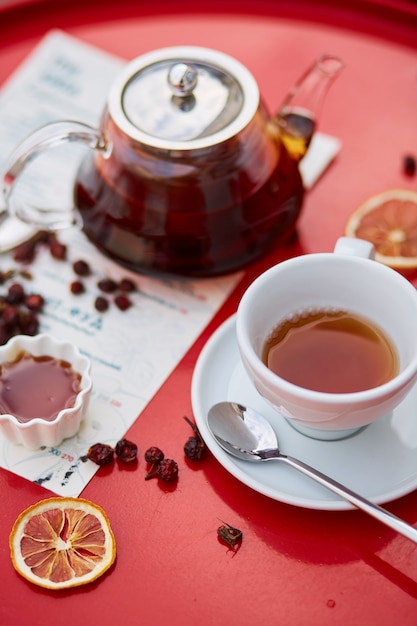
(34, 302)
(81, 268)
(101, 304)
(10, 316)
(77, 287)
(126, 450)
(127, 285)
(154, 455)
(409, 165)
(122, 302)
(15, 294)
(107, 285)
(101, 454)
(25, 252)
(195, 449)
(4, 333)
(28, 323)
(167, 470)
(57, 249)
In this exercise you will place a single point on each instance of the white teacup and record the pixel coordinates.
(347, 279)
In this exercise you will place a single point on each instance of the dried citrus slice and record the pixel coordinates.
(62, 542)
(389, 221)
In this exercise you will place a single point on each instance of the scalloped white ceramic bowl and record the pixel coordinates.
(39, 432)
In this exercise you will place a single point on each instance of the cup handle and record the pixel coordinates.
(49, 136)
(350, 246)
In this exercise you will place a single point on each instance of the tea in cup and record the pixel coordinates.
(330, 339)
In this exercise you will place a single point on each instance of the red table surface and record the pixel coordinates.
(296, 566)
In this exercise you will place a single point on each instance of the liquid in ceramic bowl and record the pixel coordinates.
(45, 387)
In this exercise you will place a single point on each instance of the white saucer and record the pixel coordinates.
(379, 462)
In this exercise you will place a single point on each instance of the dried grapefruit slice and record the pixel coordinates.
(62, 542)
(389, 221)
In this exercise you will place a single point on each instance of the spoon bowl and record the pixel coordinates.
(247, 435)
(241, 431)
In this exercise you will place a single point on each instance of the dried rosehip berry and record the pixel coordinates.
(57, 249)
(195, 449)
(154, 455)
(409, 165)
(127, 285)
(4, 333)
(25, 252)
(107, 285)
(28, 323)
(126, 450)
(101, 454)
(101, 304)
(10, 316)
(81, 268)
(167, 471)
(15, 294)
(122, 302)
(77, 287)
(34, 302)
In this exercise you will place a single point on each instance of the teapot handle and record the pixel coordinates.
(49, 136)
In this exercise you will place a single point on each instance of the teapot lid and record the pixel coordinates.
(183, 98)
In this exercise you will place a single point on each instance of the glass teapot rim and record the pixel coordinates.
(197, 54)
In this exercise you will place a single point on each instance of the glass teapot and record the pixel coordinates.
(189, 174)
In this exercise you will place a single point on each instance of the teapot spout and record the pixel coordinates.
(298, 116)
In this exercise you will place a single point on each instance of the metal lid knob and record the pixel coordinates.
(182, 79)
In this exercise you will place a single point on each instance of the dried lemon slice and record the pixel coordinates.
(62, 542)
(389, 221)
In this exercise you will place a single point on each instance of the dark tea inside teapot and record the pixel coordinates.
(191, 175)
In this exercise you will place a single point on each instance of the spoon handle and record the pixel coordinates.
(375, 510)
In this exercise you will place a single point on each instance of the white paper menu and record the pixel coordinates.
(132, 352)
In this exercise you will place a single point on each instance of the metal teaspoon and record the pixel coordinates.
(247, 435)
